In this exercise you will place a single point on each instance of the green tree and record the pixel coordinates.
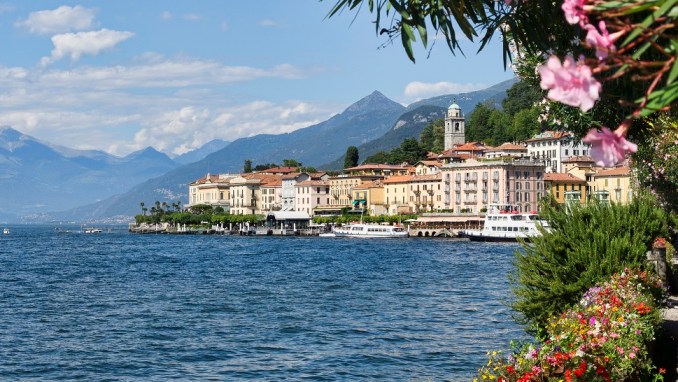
(291, 163)
(520, 96)
(478, 124)
(585, 245)
(432, 137)
(525, 124)
(247, 168)
(379, 157)
(351, 158)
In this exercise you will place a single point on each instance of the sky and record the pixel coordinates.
(119, 76)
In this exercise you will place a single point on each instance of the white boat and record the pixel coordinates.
(5, 231)
(505, 223)
(370, 230)
(92, 230)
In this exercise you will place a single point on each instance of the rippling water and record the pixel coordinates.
(117, 306)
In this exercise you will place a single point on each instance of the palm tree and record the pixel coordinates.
(144, 209)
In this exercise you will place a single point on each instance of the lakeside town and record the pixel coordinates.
(446, 192)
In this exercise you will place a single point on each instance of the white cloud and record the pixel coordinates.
(60, 20)
(418, 90)
(74, 45)
(166, 15)
(189, 128)
(192, 17)
(269, 23)
(184, 104)
(169, 73)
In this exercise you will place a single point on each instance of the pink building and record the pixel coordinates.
(471, 186)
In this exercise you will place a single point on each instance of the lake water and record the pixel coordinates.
(118, 306)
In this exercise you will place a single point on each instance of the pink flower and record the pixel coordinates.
(574, 12)
(608, 148)
(602, 41)
(570, 83)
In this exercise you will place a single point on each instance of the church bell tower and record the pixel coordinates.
(454, 127)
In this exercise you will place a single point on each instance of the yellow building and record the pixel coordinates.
(565, 187)
(612, 185)
(398, 193)
(369, 197)
(212, 190)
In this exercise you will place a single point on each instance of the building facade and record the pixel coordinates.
(612, 185)
(566, 188)
(555, 146)
(471, 186)
(455, 133)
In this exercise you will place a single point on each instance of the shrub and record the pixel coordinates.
(603, 338)
(585, 245)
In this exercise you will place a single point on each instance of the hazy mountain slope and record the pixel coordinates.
(36, 177)
(365, 120)
(409, 125)
(199, 153)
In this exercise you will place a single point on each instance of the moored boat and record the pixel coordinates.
(505, 223)
(370, 230)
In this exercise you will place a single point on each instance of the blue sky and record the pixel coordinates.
(122, 75)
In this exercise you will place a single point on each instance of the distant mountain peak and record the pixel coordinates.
(374, 101)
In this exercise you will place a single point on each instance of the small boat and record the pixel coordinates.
(92, 230)
(328, 234)
(370, 230)
(505, 223)
(5, 231)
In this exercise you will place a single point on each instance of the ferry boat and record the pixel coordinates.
(92, 230)
(505, 223)
(370, 230)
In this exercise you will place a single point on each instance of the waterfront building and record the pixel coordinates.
(507, 150)
(555, 146)
(279, 171)
(566, 188)
(310, 194)
(213, 190)
(612, 185)
(341, 189)
(245, 195)
(471, 186)
(455, 131)
(427, 167)
(379, 170)
(470, 150)
(271, 194)
(397, 193)
(368, 197)
(289, 182)
(426, 193)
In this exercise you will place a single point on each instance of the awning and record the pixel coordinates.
(448, 219)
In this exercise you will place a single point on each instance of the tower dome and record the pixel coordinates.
(453, 106)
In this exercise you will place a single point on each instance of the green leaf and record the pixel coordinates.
(666, 7)
(659, 99)
(674, 70)
(407, 36)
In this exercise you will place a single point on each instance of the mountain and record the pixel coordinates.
(37, 177)
(373, 123)
(199, 153)
(468, 101)
(363, 121)
(419, 114)
(409, 125)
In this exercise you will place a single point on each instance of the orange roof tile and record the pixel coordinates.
(616, 171)
(562, 177)
(398, 179)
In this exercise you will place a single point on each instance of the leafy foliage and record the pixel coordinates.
(411, 150)
(585, 245)
(432, 138)
(352, 156)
